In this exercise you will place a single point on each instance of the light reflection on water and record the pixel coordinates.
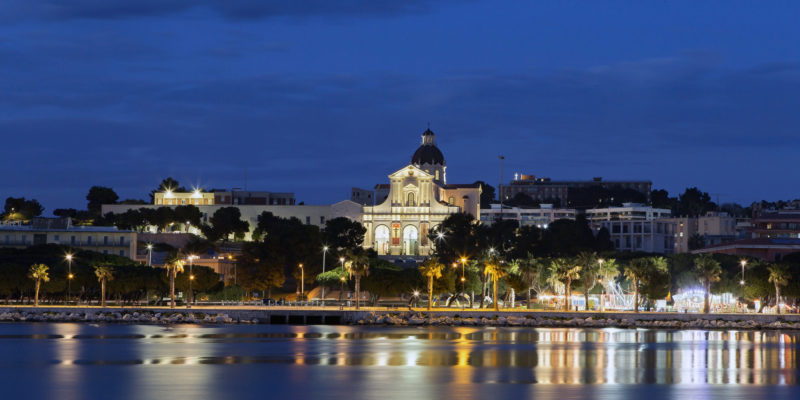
(80, 361)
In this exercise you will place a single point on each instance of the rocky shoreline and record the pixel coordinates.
(592, 321)
(413, 318)
(135, 317)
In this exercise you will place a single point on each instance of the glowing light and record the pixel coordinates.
(70, 276)
(196, 193)
(325, 248)
(416, 293)
(69, 257)
(168, 194)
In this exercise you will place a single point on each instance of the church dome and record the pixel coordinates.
(428, 153)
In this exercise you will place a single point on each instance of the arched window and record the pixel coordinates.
(437, 174)
(410, 200)
(451, 200)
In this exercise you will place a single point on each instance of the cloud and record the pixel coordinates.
(230, 9)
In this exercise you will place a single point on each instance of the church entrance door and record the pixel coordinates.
(410, 240)
(382, 239)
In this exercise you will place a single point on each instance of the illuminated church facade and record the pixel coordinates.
(416, 200)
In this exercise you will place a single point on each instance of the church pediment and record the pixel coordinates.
(410, 171)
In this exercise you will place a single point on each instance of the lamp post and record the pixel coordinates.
(602, 287)
(191, 278)
(302, 282)
(324, 251)
(149, 254)
(341, 289)
(741, 282)
(69, 275)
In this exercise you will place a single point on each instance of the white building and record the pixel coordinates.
(416, 201)
(539, 217)
(636, 227)
(102, 239)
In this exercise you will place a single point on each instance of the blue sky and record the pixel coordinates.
(318, 96)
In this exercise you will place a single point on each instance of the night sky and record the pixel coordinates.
(316, 97)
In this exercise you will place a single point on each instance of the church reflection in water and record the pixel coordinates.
(569, 356)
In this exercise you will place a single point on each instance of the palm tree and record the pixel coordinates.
(39, 273)
(565, 271)
(635, 271)
(432, 269)
(174, 264)
(708, 270)
(607, 273)
(530, 269)
(589, 267)
(358, 266)
(494, 271)
(778, 276)
(104, 274)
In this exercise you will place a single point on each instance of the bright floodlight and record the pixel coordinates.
(69, 257)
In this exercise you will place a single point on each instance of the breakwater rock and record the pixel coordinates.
(681, 321)
(138, 317)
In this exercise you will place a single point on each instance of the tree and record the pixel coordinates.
(487, 194)
(708, 270)
(649, 276)
(660, 199)
(104, 274)
(565, 271)
(343, 233)
(530, 271)
(226, 222)
(460, 237)
(635, 271)
(261, 267)
(589, 270)
(99, 195)
(431, 269)
(38, 272)
(357, 265)
(693, 202)
(20, 209)
(778, 276)
(65, 212)
(494, 271)
(188, 214)
(174, 264)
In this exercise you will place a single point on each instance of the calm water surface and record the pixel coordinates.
(81, 361)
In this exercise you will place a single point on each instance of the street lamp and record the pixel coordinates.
(191, 278)
(341, 289)
(324, 251)
(69, 275)
(149, 254)
(743, 262)
(302, 282)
